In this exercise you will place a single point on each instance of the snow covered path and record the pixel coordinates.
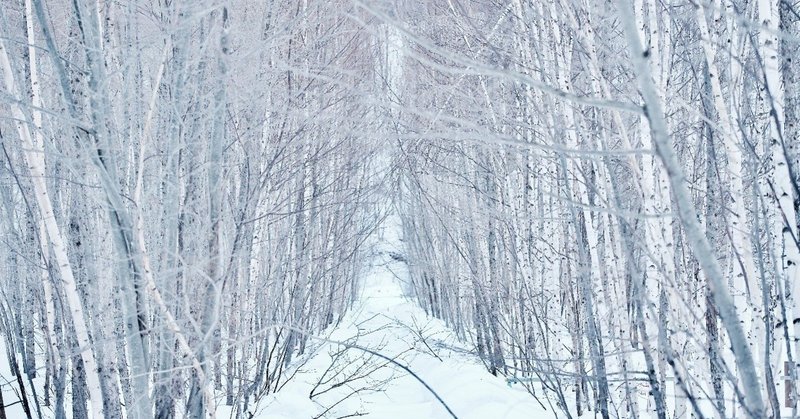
(387, 322)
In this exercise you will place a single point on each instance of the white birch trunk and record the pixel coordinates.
(34, 159)
(745, 286)
(785, 230)
(688, 216)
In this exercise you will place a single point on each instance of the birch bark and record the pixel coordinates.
(33, 152)
(688, 215)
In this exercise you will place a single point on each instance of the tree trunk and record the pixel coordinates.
(688, 216)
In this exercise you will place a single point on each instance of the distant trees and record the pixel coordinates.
(604, 197)
(180, 182)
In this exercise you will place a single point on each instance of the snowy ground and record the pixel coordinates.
(387, 322)
(350, 382)
(8, 386)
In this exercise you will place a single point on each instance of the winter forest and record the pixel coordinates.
(399, 209)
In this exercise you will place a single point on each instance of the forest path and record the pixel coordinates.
(386, 321)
